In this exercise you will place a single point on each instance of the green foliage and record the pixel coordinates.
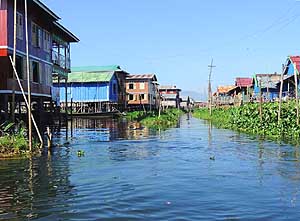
(247, 119)
(167, 119)
(13, 139)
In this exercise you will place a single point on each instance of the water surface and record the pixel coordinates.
(192, 172)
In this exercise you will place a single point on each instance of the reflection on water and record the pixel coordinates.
(28, 188)
(130, 172)
(109, 129)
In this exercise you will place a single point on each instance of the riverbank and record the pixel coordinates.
(247, 119)
(167, 118)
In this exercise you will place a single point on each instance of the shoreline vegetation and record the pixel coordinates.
(14, 141)
(247, 119)
(167, 118)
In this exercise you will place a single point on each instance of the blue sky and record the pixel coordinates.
(176, 39)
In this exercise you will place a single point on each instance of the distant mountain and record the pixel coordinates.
(197, 96)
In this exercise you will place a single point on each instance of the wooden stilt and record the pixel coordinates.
(13, 102)
(296, 94)
(260, 102)
(280, 97)
(28, 80)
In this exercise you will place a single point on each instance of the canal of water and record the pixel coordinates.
(191, 172)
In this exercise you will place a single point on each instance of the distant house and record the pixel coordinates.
(170, 96)
(224, 95)
(92, 89)
(228, 90)
(244, 84)
(104, 85)
(187, 103)
(291, 68)
(267, 85)
(142, 91)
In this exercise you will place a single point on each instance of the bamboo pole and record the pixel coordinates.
(26, 101)
(296, 93)
(260, 102)
(28, 80)
(13, 99)
(280, 97)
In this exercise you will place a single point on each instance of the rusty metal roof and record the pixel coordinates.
(225, 89)
(243, 82)
(141, 77)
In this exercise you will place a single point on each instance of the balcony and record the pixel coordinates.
(61, 60)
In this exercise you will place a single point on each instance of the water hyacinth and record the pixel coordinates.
(247, 119)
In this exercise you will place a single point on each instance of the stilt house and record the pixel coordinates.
(49, 53)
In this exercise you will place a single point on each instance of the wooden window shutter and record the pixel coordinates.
(24, 68)
(40, 37)
(41, 74)
(49, 75)
(31, 70)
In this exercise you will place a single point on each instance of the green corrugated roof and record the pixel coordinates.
(84, 77)
(96, 68)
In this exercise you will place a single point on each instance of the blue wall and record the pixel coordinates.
(290, 69)
(90, 92)
(273, 93)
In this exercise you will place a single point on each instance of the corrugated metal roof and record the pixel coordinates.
(267, 80)
(169, 96)
(244, 82)
(169, 87)
(96, 68)
(296, 61)
(141, 76)
(84, 77)
(225, 89)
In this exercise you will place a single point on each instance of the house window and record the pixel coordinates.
(130, 97)
(19, 66)
(35, 69)
(114, 88)
(131, 86)
(142, 96)
(19, 26)
(47, 41)
(36, 35)
(142, 86)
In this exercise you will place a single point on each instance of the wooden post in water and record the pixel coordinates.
(260, 102)
(211, 66)
(13, 98)
(280, 97)
(296, 93)
(71, 117)
(28, 80)
(49, 138)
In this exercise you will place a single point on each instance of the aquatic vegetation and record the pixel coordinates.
(247, 119)
(167, 118)
(14, 142)
(80, 153)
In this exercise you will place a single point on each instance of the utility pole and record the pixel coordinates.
(211, 66)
